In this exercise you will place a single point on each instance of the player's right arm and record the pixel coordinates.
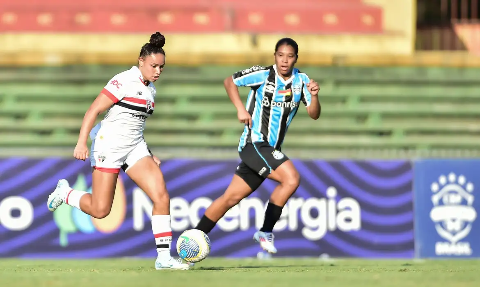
(253, 76)
(111, 94)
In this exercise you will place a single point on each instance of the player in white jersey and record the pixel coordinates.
(117, 142)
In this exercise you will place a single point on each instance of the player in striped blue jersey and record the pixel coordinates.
(274, 99)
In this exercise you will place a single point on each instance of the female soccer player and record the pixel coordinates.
(117, 142)
(276, 92)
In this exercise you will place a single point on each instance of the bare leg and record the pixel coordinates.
(99, 203)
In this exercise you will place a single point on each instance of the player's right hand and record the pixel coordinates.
(244, 117)
(80, 152)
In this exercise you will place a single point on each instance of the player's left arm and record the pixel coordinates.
(310, 98)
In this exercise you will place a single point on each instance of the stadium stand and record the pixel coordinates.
(381, 108)
(204, 32)
(362, 108)
(304, 16)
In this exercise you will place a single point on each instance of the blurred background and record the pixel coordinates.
(398, 77)
(399, 82)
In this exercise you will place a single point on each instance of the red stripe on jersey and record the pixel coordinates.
(137, 101)
(107, 170)
(110, 95)
(163, 234)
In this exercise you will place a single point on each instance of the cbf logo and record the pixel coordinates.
(453, 213)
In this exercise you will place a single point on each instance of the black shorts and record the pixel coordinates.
(258, 161)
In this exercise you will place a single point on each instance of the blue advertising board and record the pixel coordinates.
(341, 209)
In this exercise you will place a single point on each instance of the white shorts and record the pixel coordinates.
(106, 159)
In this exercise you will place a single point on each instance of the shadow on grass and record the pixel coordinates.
(254, 267)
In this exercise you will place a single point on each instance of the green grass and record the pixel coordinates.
(245, 273)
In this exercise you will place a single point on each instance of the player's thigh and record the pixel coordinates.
(103, 189)
(106, 157)
(106, 163)
(244, 182)
(286, 173)
(270, 162)
(282, 168)
(255, 161)
(143, 170)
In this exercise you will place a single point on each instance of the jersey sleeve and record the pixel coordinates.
(306, 96)
(253, 76)
(114, 89)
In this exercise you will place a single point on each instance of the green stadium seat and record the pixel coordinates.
(362, 108)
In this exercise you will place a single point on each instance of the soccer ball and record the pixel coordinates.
(193, 245)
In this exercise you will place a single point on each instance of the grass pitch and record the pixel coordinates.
(242, 273)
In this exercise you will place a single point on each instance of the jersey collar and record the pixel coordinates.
(136, 70)
(285, 82)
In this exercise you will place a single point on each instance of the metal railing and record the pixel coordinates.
(439, 23)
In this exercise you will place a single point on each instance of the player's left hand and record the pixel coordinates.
(313, 88)
(156, 160)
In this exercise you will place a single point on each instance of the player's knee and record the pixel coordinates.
(292, 181)
(101, 212)
(160, 198)
(232, 200)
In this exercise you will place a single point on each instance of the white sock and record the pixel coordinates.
(162, 233)
(73, 198)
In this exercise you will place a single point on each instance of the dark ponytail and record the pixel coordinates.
(155, 46)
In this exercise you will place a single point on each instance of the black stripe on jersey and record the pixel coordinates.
(135, 108)
(267, 99)
(284, 119)
(302, 98)
(250, 110)
(280, 141)
(163, 246)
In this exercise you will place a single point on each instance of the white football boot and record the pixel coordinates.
(266, 241)
(55, 199)
(168, 262)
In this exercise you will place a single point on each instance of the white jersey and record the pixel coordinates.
(134, 102)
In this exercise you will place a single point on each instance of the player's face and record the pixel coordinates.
(152, 66)
(285, 59)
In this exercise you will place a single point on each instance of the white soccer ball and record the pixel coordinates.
(193, 245)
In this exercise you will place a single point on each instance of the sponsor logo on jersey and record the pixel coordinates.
(139, 116)
(267, 103)
(252, 69)
(116, 84)
(262, 171)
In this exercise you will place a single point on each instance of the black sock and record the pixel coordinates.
(206, 224)
(272, 215)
